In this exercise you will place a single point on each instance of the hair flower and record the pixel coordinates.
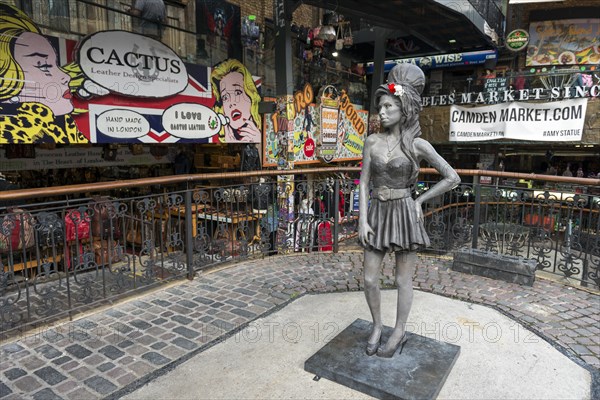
(396, 90)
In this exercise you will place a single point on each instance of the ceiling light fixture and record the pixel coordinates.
(335, 54)
(327, 33)
(452, 41)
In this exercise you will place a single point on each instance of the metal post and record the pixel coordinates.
(476, 212)
(378, 64)
(189, 234)
(284, 77)
(336, 214)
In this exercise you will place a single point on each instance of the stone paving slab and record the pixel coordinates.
(266, 359)
(110, 352)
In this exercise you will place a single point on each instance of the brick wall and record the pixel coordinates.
(304, 15)
(307, 15)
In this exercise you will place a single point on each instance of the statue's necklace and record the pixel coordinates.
(389, 154)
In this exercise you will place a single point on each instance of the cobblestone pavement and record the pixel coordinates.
(113, 351)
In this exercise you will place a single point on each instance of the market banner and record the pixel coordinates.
(560, 121)
(118, 87)
(564, 42)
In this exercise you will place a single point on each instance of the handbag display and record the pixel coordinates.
(77, 225)
(106, 252)
(48, 237)
(339, 40)
(347, 36)
(17, 230)
(104, 222)
(134, 233)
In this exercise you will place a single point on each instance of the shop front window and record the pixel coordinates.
(59, 14)
(80, 18)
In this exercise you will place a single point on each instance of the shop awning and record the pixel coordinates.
(420, 27)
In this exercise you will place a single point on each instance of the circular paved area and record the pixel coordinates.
(114, 351)
(498, 358)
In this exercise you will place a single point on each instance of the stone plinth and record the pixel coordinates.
(507, 268)
(419, 372)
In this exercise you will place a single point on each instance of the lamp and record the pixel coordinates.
(327, 33)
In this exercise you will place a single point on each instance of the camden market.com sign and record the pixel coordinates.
(558, 121)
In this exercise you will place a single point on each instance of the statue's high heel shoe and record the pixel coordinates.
(390, 353)
(373, 347)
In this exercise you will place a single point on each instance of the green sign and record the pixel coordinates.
(517, 40)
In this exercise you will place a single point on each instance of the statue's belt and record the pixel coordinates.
(385, 193)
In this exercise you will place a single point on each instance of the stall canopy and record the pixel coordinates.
(421, 27)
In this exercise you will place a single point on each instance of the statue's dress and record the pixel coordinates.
(394, 221)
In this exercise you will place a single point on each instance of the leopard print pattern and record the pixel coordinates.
(35, 123)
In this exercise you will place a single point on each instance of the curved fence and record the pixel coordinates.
(65, 250)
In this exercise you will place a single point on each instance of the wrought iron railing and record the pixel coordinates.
(63, 251)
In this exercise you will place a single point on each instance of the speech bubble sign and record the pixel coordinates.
(132, 64)
(122, 124)
(191, 121)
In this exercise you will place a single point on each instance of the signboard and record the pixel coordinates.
(564, 42)
(550, 122)
(348, 144)
(279, 13)
(508, 95)
(517, 40)
(329, 122)
(442, 60)
(495, 84)
(328, 138)
(132, 65)
(118, 87)
(78, 157)
(356, 200)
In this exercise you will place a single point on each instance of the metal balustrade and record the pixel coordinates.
(61, 255)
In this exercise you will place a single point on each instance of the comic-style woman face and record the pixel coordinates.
(44, 82)
(237, 104)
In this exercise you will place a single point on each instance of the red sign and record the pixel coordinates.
(309, 147)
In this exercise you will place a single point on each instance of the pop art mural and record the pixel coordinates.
(117, 87)
(318, 133)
